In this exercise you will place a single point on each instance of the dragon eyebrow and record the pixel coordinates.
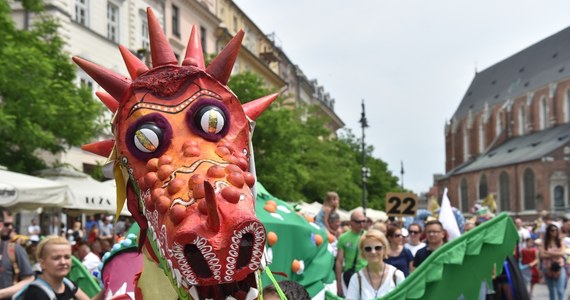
(171, 109)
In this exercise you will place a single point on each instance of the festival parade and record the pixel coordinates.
(169, 149)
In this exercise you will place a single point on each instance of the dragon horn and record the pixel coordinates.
(111, 103)
(213, 219)
(194, 55)
(103, 148)
(255, 108)
(133, 63)
(221, 67)
(160, 49)
(113, 83)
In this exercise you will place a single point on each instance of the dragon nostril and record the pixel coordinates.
(197, 261)
(245, 250)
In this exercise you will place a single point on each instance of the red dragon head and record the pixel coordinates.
(182, 150)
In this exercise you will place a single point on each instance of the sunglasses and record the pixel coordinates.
(398, 235)
(369, 248)
(8, 224)
(413, 232)
(359, 221)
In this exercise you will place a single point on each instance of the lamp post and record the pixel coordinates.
(402, 173)
(365, 171)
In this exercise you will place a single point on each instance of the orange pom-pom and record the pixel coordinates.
(331, 238)
(309, 218)
(318, 239)
(270, 208)
(271, 238)
(272, 202)
(295, 266)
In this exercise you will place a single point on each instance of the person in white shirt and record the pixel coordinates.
(89, 259)
(414, 238)
(34, 230)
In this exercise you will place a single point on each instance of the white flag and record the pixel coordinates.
(447, 218)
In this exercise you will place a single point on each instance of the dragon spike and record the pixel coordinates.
(111, 103)
(194, 55)
(103, 148)
(113, 83)
(133, 63)
(213, 219)
(221, 67)
(255, 108)
(160, 49)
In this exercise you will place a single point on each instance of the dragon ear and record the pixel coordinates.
(133, 63)
(255, 108)
(194, 55)
(221, 67)
(160, 49)
(113, 83)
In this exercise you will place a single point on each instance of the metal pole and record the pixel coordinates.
(364, 124)
(402, 173)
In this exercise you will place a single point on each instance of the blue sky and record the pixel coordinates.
(411, 61)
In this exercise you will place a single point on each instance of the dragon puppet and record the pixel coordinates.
(182, 159)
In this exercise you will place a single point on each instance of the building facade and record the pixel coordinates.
(510, 135)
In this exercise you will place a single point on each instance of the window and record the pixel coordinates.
(82, 12)
(85, 81)
(175, 21)
(463, 195)
(543, 113)
(504, 192)
(522, 120)
(567, 107)
(483, 190)
(481, 134)
(529, 192)
(465, 144)
(145, 41)
(203, 40)
(112, 22)
(559, 198)
(235, 23)
(499, 123)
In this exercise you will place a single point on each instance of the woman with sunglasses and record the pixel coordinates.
(398, 255)
(414, 238)
(377, 278)
(552, 256)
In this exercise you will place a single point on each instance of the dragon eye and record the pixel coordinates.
(147, 137)
(210, 119)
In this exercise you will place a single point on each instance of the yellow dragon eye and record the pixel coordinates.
(147, 138)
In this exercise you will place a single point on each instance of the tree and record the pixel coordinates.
(40, 106)
(296, 160)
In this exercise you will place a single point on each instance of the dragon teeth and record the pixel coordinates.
(252, 294)
(194, 293)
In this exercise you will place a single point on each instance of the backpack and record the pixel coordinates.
(12, 256)
(45, 287)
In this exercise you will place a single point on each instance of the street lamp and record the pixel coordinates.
(365, 170)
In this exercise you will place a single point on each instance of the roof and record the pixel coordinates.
(520, 149)
(534, 67)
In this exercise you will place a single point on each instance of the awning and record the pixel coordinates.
(19, 191)
(85, 193)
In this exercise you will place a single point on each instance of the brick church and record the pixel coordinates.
(510, 135)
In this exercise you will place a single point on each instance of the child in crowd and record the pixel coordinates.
(529, 261)
(330, 205)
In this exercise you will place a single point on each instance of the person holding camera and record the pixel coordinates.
(552, 256)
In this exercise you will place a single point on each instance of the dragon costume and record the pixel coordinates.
(183, 161)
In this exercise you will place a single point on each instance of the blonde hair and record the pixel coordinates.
(330, 197)
(377, 235)
(50, 240)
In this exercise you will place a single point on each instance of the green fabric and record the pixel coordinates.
(348, 242)
(295, 241)
(80, 275)
(460, 266)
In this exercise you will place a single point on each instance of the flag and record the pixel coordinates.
(447, 218)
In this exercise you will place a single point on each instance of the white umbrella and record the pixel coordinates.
(19, 191)
(86, 193)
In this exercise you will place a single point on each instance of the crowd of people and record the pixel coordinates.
(30, 262)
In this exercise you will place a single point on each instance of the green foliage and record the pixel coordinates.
(40, 106)
(295, 160)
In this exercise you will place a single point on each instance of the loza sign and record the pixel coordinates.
(401, 204)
